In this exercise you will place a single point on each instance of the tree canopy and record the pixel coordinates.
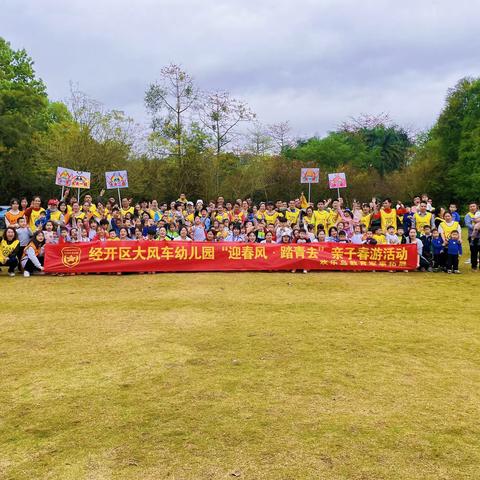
(209, 143)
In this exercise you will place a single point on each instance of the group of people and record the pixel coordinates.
(435, 231)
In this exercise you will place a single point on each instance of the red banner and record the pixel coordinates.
(153, 256)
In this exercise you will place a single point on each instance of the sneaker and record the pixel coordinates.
(456, 271)
(293, 271)
(305, 271)
(467, 262)
(449, 271)
(11, 274)
(26, 273)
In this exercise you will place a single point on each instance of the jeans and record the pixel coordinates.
(11, 263)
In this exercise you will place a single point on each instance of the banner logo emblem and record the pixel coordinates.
(71, 256)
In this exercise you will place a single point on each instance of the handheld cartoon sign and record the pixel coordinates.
(80, 180)
(309, 175)
(117, 179)
(338, 181)
(63, 178)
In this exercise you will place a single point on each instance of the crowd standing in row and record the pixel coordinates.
(435, 231)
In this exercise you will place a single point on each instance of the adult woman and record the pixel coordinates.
(12, 216)
(309, 218)
(439, 217)
(123, 234)
(9, 248)
(75, 215)
(332, 234)
(422, 263)
(32, 258)
(268, 238)
(448, 226)
(183, 235)
(211, 236)
(33, 212)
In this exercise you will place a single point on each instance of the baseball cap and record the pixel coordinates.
(53, 201)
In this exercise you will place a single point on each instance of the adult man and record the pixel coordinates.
(422, 218)
(126, 208)
(388, 215)
(271, 215)
(292, 213)
(321, 215)
(472, 222)
(220, 214)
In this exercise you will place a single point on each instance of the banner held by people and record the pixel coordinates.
(152, 256)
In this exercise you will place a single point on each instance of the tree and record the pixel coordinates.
(259, 142)
(168, 101)
(24, 111)
(390, 144)
(280, 134)
(220, 114)
(94, 139)
(457, 134)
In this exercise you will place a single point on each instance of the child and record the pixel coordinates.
(426, 239)
(23, 234)
(357, 237)
(32, 259)
(379, 237)
(303, 238)
(369, 238)
(311, 232)
(112, 235)
(49, 233)
(391, 238)
(454, 250)
(437, 250)
(63, 237)
(401, 235)
(342, 237)
(41, 220)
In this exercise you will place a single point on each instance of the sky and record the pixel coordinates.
(313, 63)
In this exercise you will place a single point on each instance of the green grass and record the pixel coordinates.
(240, 375)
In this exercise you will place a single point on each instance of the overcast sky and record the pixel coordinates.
(314, 63)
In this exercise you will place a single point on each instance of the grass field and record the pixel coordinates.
(240, 375)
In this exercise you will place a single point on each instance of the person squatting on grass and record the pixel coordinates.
(435, 231)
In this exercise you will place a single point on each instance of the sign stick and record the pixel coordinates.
(78, 195)
(338, 192)
(309, 190)
(119, 199)
(63, 190)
